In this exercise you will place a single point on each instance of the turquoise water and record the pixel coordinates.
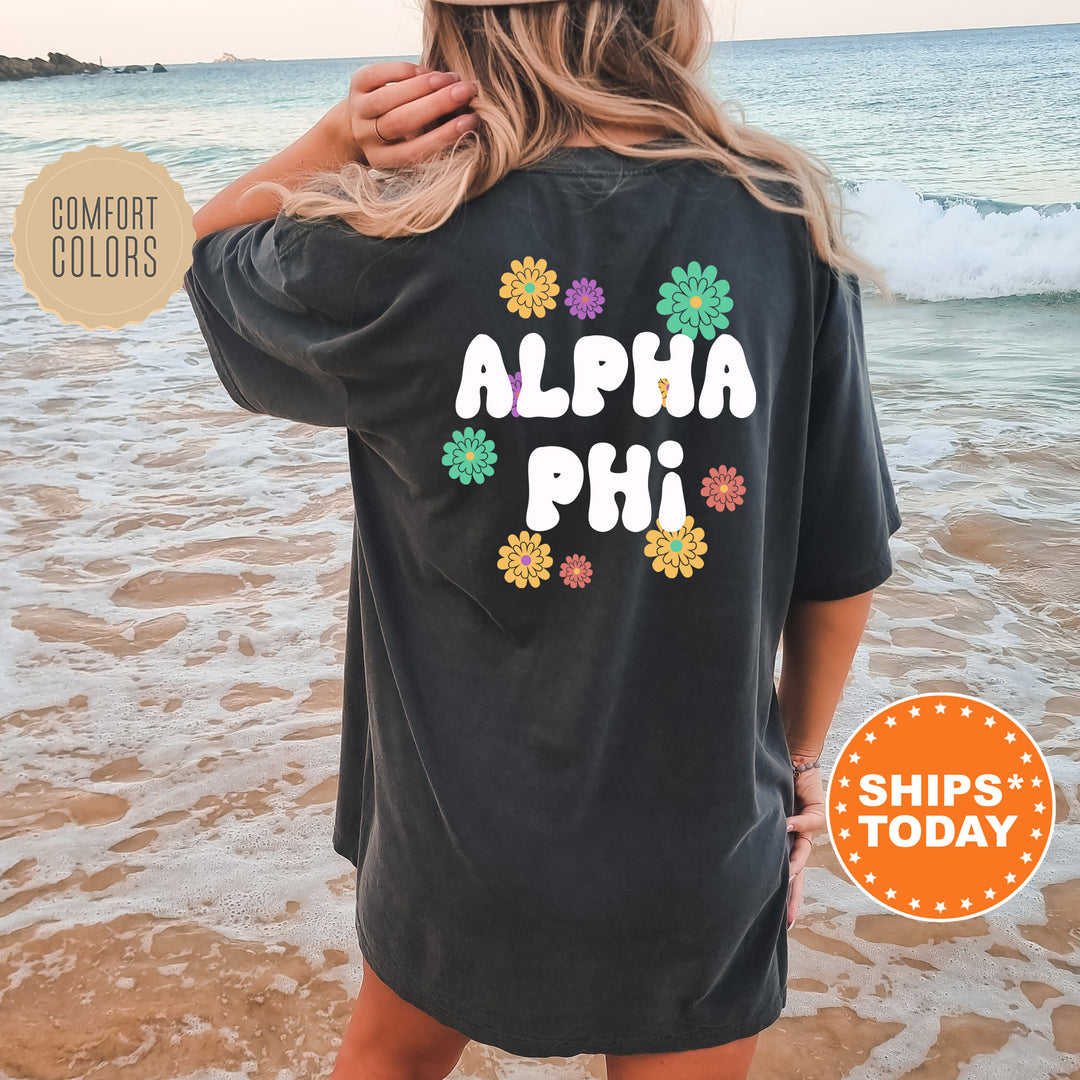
(962, 147)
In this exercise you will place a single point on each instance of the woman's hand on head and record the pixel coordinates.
(406, 99)
(808, 820)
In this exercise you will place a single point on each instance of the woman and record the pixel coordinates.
(597, 349)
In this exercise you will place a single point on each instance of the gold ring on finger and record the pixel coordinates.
(381, 136)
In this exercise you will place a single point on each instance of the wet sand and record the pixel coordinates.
(170, 903)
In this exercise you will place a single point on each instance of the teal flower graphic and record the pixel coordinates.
(695, 300)
(470, 456)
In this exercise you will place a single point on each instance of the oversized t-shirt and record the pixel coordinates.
(603, 425)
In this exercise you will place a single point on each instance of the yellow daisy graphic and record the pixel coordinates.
(525, 559)
(529, 287)
(677, 552)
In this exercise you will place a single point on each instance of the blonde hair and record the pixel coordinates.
(552, 71)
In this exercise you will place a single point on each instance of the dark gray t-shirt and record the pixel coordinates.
(603, 425)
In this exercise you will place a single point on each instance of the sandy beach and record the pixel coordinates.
(175, 585)
(170, 905)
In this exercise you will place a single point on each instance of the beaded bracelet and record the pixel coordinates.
(796, 769)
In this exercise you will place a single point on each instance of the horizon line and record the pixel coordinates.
(715, 41)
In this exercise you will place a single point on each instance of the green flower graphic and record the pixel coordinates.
(695, 300)
(470, 456)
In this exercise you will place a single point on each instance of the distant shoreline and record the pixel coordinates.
(15, 68)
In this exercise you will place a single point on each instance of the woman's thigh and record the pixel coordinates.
(728, 1062)
(389, 1039)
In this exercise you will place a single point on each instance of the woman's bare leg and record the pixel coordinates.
(728, 1062)
(389, 1039)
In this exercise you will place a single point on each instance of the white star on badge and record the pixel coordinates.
(965, 903)
(966, 710)
(939, 708)
(1026, 857)
(913, 903)
(890, 894)
(854, 856)
(990, 721)
(1011, 737)
(1036, 833)
(1039, 807)
(844, 834)
(870, 736)
(891, 721)
(854, 757)
(914, 710)
(990, 894)
(1025, 758)
(870, 879)
(939, 906)
(1010, 878)
(841, 807)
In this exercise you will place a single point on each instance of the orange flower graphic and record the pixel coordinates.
(525, 559)
(677, 552)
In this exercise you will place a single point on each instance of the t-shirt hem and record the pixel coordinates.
(567, 1045)
(342, 849)
(842, 588)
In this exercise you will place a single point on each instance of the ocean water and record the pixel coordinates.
(175, 572)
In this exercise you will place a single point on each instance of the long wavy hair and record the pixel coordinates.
(553, 71)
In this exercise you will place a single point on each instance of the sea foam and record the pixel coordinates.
(934, 247)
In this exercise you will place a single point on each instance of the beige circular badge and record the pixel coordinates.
(103, 237)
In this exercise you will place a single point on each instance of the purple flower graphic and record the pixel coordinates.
(585, 298)
(515, 382)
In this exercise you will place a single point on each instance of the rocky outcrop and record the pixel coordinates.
(228, 58)
(14, 67)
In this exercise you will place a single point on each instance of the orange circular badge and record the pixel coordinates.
(940, 807)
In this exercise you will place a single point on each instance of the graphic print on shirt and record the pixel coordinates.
(529, 287)
(723, 488)
(470, 456)
(585, 298)
(696, 302)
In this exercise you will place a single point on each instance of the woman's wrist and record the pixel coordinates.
(326, 145)
(337, 131)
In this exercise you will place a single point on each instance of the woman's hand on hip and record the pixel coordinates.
(405, 100)
(807, 821)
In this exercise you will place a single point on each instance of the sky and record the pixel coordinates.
(149, 31)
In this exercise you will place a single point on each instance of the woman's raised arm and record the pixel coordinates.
(404, 97)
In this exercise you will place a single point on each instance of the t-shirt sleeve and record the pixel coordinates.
(849, 508)
(244, 284)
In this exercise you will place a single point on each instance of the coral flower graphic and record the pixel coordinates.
(723, 488)
(576, 571)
